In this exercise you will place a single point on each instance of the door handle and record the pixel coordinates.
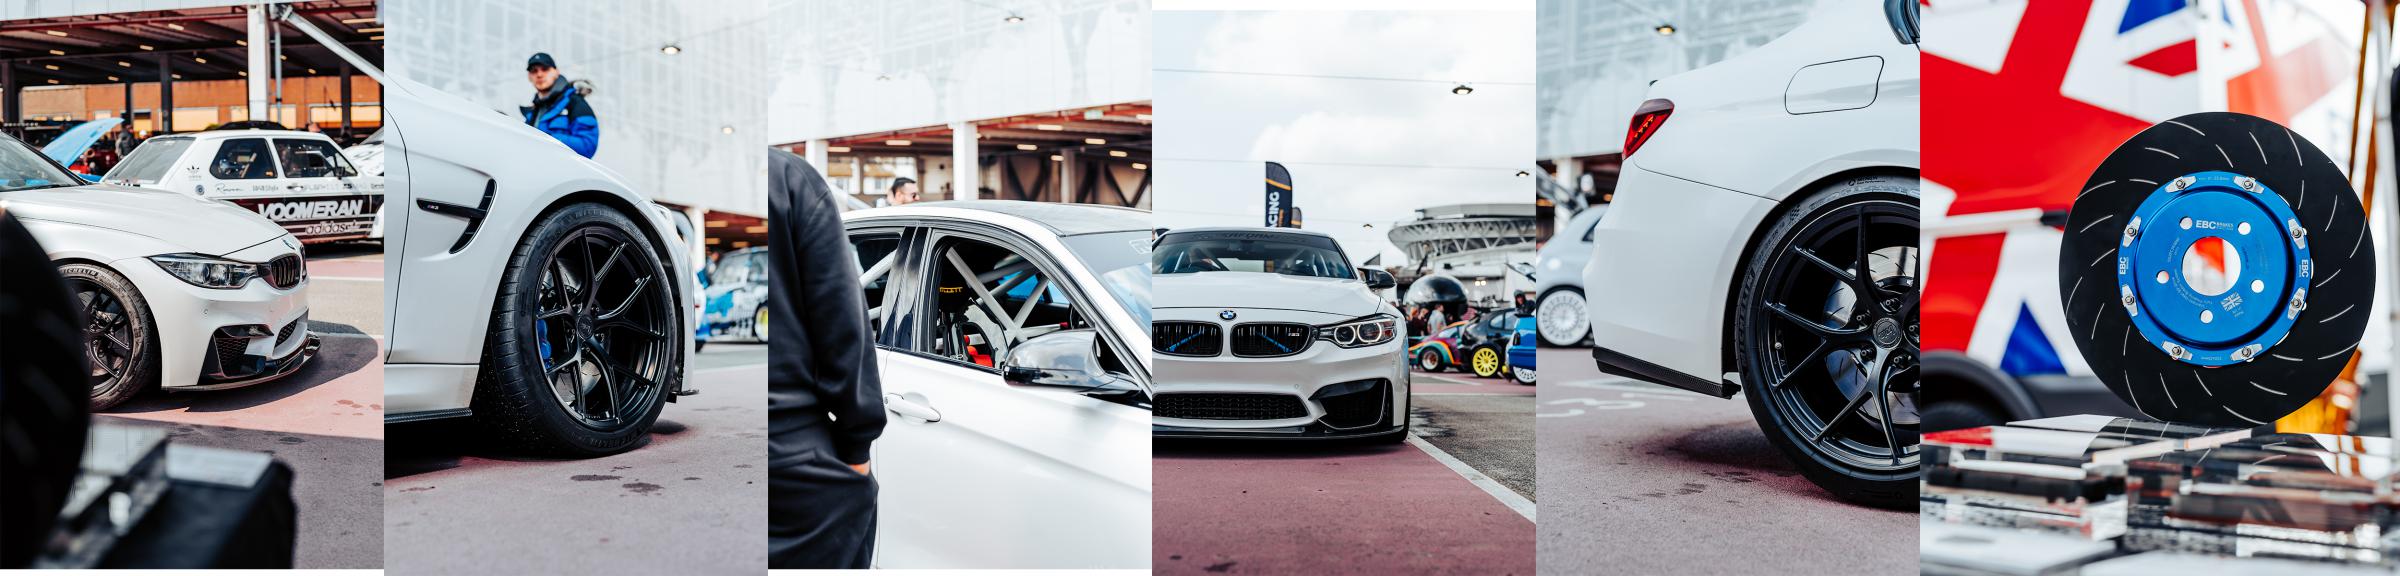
(912, 405)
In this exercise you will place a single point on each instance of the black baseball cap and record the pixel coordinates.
(540, 59)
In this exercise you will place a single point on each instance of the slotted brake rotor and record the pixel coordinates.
(2215, 270)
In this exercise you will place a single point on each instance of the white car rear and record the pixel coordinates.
(299, 180)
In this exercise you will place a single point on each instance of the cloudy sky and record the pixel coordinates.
(1357, 104)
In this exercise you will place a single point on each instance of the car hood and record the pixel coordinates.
(1256, 290)
(203, 226)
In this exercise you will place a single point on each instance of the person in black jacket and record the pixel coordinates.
(824, 400)
(45, 394)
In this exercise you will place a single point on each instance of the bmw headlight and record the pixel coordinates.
(206, 271)
(1362, 332)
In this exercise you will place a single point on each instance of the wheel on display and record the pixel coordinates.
(1825, 337)
(758, 324)
(120, 342)
(582, 352)
(2216, 270)
(1429, 359)
(1562, 319)
(1485, 361)
(1522, 375)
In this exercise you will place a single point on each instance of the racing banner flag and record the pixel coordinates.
(1280, 213)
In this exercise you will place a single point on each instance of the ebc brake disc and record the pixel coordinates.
(2215, 270)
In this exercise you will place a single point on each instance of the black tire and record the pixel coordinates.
(121, 347)
(1499, 359)
(1957, 414)
(516, 401)
(1429, 360)
(1846, 463)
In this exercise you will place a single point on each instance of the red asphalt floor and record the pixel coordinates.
(1310, 508)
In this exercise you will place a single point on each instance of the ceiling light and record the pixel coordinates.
(1055, 158)
(282, 57)
(1522, 173)
(242, 74)
(58, 33)
(1665, 29)
(375, 37)
(357, 20)
(112, 78)
(53, 80)
(241, 43)
(370, 30)
(124, 64)
(147, 47)
(670, 49)
(755, 229)
(1026, 147)
(174, 26)
(312, 70)
(896, 142)
(837, 149)
(1463, 90)
(1050, 127)
(175, 76)
(1144, 117)
(715, 223)
(728, 129)
(199, 59)
(50, 66)
(56, 52)
(1141, 166)
(1094, 141)
(1117, 153)
(1013, 18)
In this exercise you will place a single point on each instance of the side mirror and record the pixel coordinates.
(1062, 359)
(1378, 279)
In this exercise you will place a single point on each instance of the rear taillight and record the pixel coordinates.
(1646, 121)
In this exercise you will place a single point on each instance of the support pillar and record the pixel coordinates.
(964, 162)
(257, 81)
(818, 156)
(347, 102)
(162, 118)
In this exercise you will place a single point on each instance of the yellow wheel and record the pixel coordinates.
(758, 326)
(1486, 362)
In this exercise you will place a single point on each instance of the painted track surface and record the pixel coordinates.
(1349, 508)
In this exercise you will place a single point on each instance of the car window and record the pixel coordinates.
(986, 299)
(878, 252)
(303, 158)
(242, 159)
(150, 161)
(22, 168)
(1593, 223)
(729, 268)
(1288, 254)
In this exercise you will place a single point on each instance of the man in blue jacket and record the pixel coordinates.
(558, 109)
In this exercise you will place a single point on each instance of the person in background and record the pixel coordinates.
(824, 396)
(558, 110)
(904, 191)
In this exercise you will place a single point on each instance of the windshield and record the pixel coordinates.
(1121, 260)
(149, 162)
(1234, 251)
(22, 168)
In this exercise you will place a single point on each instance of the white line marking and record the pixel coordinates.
(1506, 496)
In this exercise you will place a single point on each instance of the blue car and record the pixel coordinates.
(1520, 350)
(734, 297)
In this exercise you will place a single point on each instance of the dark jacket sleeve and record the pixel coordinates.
(824, 357)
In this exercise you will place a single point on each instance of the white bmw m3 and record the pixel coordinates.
(176, 292)
(1273, 333)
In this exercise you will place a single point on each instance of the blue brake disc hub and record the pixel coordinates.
(2213, 268)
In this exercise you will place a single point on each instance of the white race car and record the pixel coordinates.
(300, 180)
(530, 287)
(176, 292)
(1010, 340)
(1763, 239)
(1272, 332)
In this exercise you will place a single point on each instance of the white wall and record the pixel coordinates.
(848, 68)
(661, 116)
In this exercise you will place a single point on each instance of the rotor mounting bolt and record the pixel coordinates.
(2246, 183)
(2177, 351)
(2246, 353)
(2179, 184)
